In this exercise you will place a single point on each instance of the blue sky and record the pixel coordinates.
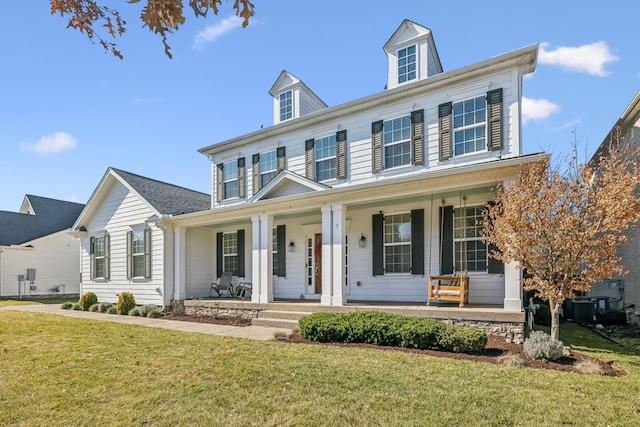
(69, 110)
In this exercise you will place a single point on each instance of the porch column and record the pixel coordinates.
(339, 293)
(327, 257)
(179, 243)
(266, 259)
(255, 259)
(512, 287)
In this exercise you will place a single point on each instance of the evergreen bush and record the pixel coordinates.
(134, 312)
(125, 303)
(144, 309)
(94, 307)
(87, 300)
(155, 312)
(66, 305)
(103, 306)
(112, 309)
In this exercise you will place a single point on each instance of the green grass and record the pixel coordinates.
(29, 301)
(57, 370)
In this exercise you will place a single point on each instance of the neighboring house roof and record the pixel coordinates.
(167, 199)
(47, 216)
(163, 198)
(629, 118)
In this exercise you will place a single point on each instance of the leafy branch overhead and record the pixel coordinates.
(160, 16)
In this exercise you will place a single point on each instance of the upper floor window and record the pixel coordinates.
(325, 158)
(286, 106)
(469, 125)
(470, 252)
(407, 64)
(230, 180)
(397, 142)
(268, 167)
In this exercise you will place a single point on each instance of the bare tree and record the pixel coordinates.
(564, 225)
(160, 16)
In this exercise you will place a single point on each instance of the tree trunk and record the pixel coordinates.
(555, 318)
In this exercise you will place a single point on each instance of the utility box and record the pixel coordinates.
(31, 274)
(584, 311)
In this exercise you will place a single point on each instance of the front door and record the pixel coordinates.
(317, 264)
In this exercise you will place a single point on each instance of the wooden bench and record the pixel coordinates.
(449, 288)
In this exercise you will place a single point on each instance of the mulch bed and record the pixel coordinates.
(496, 347)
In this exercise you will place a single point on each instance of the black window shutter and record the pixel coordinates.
(377, 163)
(417, 137)
(309, 159)
(129, 254)
(445, 122)
(446, 240)
(377, 235)
(417, 241)
(241, 269)
(147, 253)
(494, 266)
(280, 154)
(341, 154)
(219, 262)
(494, 118)
(241, 177)
(281, 242)
(219, 181)
(92, 258)
(256, 173)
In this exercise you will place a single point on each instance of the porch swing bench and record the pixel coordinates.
(449, 288)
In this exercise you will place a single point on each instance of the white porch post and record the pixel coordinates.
(266, 259)
(339, 293)
(179, 291)
(327, 257)
(255, 259)
(512, 287)
(512, 281)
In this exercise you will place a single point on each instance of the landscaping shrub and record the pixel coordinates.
(103, 306)
(391, 330)
(144, 309)
(155, 312)
(125, 303)
(87, 300)
(134, 312)
(112, 309)
(540, 345)
(76, 306)
(94, 307)
(66, 305)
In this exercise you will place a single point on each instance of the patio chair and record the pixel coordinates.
(243, 289)
(224, 284)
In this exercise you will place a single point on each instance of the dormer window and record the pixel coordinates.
(407, 64)
(286, 106)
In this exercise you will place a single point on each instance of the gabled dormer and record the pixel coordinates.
(292, 98)
(412, 55)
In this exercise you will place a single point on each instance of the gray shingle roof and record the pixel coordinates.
(51, 216)
(167, 199)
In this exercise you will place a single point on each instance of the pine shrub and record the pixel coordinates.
(76, 306)
(134, 312)
(144, 309)
(66, 305)
(94, 307)
(103, 306)
(87, 300)
(155, 313)
(541, 346)
(125, 303)
(112, 309)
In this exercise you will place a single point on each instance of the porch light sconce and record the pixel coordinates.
(292, 246)
(362, 241)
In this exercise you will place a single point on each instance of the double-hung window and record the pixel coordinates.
(230, 252)
(286, 106)
(230, 180)
(325, 158)
(469, 126)
(137, 253)
(99, 253)
(397, 243)
(268, 167)
(407, 64)
(397, 142)
(274, 250)
(470, 252)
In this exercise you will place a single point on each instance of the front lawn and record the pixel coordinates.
(64, 371)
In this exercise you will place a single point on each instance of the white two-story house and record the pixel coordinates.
(364, 201)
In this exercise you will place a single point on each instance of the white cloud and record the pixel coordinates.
(537, 109)
(51, 144)
(588, 58)
(212, 32)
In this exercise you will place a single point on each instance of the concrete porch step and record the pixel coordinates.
(275, 323)
(279, 314)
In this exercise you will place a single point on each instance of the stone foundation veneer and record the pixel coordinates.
(512, 332)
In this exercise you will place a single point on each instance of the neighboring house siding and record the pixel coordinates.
(55, 258)
(117, 214)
